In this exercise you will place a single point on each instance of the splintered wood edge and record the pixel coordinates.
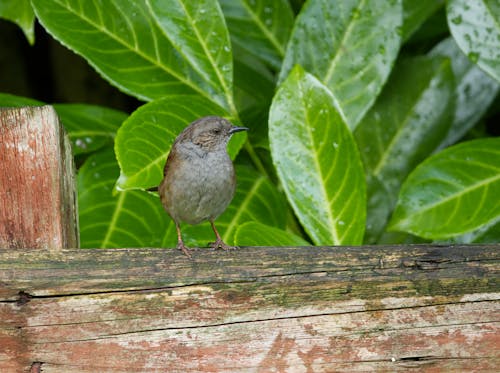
(37, 175)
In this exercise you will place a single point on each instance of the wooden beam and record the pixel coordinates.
(257, 309)
(37, 187)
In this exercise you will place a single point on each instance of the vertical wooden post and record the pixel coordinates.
(37, 184)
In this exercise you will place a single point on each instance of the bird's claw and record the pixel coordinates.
(184, 249)
(219, 244)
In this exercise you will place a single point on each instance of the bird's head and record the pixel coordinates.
(211, 133)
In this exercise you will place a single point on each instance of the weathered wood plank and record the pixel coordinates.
(425, 336)
(257, 309)
(93, 271)
(37, 188)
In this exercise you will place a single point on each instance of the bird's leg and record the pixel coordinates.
(180, 243)
(219, 244)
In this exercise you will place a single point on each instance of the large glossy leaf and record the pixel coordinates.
(452, 192)
(258, 234)
(409, 120)
(261, 27)
(122, 41)
(127, 219)
(317, 161)
(21, 13)
(475, 26)
(198, 32)
(348, 45)
(88, 126)
(475, 90)
(144, 140)
(254, 83)
(416, 12)
(256, 199)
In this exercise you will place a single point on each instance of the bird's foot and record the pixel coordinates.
(184, 249)
(219, 244)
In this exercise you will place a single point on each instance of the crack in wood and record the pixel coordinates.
(417, 358)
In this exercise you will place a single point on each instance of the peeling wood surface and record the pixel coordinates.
(37, 187)
(425, 308)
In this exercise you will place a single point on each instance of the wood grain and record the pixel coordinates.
(37, 188)
(287, 309)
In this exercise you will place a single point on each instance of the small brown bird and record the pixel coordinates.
(199, 179)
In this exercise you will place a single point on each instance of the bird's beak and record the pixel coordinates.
(237, 129)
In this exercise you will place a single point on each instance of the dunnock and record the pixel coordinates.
(199, 179)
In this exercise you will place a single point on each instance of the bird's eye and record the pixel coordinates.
(216, 131)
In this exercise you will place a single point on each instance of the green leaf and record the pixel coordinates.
(475, 90)
(258, 234)
(21, 13)
(433, 29)
(8, 100)
(198, 32)
(89, 127)
(261, 27)
(451, 193)
(348, 45)
(122, 41)
(475, 26)
(406, 124)
(254, 83)
(317, 161)
(127, 219)
(416, 13)
(409, 119)
(144, 140)
(255, 199)
(379, 206)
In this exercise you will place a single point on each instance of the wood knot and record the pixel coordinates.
(23, 298)
(36, 367)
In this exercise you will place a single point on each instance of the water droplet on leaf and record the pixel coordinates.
(473, 56)
(80, 143)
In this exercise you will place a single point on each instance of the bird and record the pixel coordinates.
(199, 178)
